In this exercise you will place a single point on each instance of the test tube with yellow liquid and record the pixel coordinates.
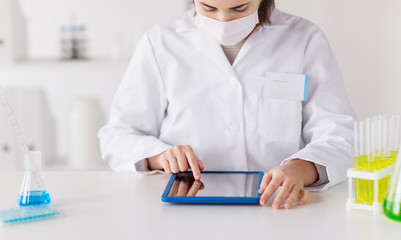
(381, 159)
(358, 162)
(363, 163)
(371, 157)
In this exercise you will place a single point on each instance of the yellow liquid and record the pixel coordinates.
(370, 188)
(359, 198)
(364, 189)
(375, 165)
(382, 163)
(364, 184)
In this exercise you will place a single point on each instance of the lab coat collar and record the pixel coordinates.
(277, 20)
(188, 21)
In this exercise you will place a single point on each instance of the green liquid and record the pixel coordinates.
(392, 210)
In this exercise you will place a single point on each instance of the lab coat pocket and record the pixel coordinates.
(281, 118)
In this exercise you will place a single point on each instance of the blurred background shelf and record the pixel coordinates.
(63, 83)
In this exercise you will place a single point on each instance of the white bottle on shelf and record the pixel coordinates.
(85, 119)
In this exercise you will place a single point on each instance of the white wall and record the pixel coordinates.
(366, 38)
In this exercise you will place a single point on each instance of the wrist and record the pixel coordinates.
(308, 171)
(154, 163)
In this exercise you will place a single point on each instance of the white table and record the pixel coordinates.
(107, 205)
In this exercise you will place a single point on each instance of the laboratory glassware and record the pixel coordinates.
(392, 201)
(33, 189)
(31, 192)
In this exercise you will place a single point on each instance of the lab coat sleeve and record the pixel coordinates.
(327, 115)
(322, 176)
(137, 112)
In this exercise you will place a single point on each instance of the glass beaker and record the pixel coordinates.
(392, 201)
(33, 189)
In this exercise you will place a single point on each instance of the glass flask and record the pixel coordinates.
(392, 201)
(33, 189)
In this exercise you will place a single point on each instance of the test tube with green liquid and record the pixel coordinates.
(392, 202)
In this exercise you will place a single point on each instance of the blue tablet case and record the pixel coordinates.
(213, 200)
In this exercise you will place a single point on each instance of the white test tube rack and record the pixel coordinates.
(375, 176)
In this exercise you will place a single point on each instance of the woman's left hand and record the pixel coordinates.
(292, 176)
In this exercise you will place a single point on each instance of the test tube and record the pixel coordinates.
(373, 145)
(380, 160)
(386, 152)
(357, 158)
(369, 164)
(397, 136)
(390, 122)
(384, 139)
(362, 146)
(384, 157)
(356, 144)
(363, 163)
(391, 140)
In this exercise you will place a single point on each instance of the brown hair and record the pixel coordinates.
(266, 7)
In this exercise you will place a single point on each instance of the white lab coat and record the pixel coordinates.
(180, 89)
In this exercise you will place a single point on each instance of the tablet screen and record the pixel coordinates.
(215, 185)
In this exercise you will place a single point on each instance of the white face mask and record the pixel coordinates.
(229, 33)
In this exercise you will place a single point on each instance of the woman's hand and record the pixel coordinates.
(177, 159)
(292, 176)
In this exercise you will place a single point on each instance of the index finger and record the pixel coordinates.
(194, 164)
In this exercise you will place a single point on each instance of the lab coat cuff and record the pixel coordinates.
(141, 166)
(323, 181)
(322, 178)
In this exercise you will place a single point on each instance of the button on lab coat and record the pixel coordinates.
(180, 89)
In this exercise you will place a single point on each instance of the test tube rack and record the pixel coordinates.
(376, 144)
(352, 174)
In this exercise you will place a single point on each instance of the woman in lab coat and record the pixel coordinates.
(234, 85)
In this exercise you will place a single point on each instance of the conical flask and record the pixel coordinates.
(392, 201)
(33, 189)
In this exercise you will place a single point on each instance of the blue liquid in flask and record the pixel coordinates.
(34, 198)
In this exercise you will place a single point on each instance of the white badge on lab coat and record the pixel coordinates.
(285, 85)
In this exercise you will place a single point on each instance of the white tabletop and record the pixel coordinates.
(107, 205)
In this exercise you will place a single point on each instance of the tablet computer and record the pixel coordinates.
(214, 187)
